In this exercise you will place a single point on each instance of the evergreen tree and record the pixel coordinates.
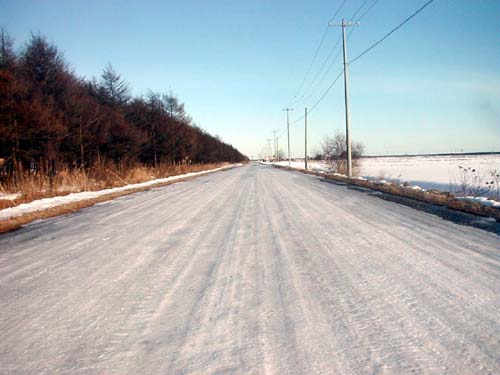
(114, 88)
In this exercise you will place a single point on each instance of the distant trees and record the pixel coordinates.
(334, 153)
(50, 117)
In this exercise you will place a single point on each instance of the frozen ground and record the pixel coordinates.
(250, 270)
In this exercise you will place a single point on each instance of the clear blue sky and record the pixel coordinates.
(433, 86)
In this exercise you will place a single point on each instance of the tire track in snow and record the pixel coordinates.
(253, 270)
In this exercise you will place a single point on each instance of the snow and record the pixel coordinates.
(46, 203)
(482, 200)
(9, 197)
(430, 172)
(315, 166)
(416, 187)
(423, 173)
(252, 271)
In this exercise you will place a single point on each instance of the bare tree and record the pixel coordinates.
(335, 155)
(281, 154)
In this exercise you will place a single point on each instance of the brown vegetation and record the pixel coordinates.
(103, 176)
(16, 222)
(334, 153)
(62, 133)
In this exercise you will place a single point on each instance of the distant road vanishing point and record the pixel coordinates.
(253, 270)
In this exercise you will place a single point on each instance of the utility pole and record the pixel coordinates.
(275, 145)
(269, 148)
(288, 132)
(305, 139)
(345, 24)
(277, 148)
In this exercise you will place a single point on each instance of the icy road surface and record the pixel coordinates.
(251, 270)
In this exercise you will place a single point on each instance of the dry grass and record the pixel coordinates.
(33, 186)
(16, 222)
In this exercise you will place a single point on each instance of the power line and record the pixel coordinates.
(337, 11)
(325, 93)
(358, 10)
(364, 52)
(317, 50)
(391, 32)
(314, 80)
(322, 97)
(335, 59)
(366, 11)
(310, 65)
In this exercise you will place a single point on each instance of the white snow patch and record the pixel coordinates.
(485, 201)
(46, 203)
(9, 196)
(382, 182)
(440, 172)
(315, 166)
(432, 172)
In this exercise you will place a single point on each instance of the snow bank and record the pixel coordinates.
(46, 203)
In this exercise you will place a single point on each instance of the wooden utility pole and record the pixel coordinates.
(275, 145)
(345, 24)
(288, 132)
(305, 139)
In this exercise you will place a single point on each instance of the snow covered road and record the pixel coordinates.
(250, 270)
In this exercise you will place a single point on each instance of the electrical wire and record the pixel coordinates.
(392, 31)
(367, 50)
(367, 10)
(321, 98)
(405, 21)
(317, 50)
(305, 98)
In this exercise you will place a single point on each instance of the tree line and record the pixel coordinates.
(50, 116)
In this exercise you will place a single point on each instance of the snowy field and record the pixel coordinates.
(444, 173)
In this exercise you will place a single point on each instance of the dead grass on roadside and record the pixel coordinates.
(16, 222)
(33, 186)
